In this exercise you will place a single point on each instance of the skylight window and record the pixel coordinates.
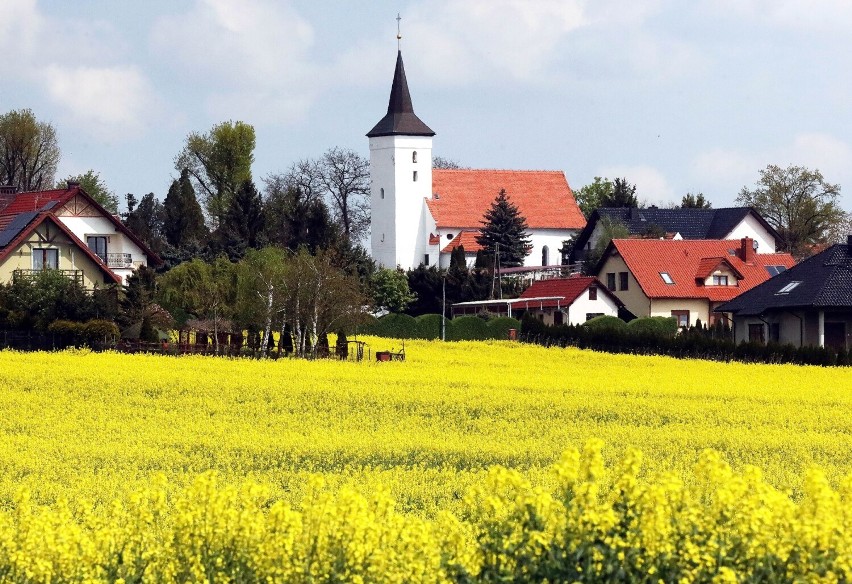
(786, 289)
(775, 270)
(666, 278)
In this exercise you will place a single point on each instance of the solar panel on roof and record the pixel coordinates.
(17, 224)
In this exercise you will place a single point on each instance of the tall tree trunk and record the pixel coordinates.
(267, 330)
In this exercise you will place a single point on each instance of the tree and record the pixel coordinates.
(91, 182)
(145, 219)
(345, 176)
(623, 195)
(440, 162)
(610, 229)
(505, 232)
(390, 290)
(245, 218)
(183, 221)
(591, 196)
(219, 162)
(798, 203)
(691, 201)
(296, 215)
(33, 302)
(263, 291)
(29, 151)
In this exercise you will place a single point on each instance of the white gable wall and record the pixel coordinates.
(583, 306)
(117, 242)
(751, 227)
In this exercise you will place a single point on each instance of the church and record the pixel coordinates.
(420, 214)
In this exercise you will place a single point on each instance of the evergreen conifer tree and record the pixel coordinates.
(245, 219)
(505, 232)
(623, 195)
(183, 220)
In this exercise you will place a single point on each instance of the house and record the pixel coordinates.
(726, 223)
(92, 227)
(808, 304)
(571, 300)
(35, 241)
(417, 212)
(688, 278)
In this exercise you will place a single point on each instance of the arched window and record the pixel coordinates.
(414, 156)
(545, 256)
(382, 193)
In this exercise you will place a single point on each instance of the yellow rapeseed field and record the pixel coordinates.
(194, 468)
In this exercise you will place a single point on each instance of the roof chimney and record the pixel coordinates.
(72, 184)
(747, 250)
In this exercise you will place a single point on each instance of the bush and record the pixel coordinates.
(66, 328)
(606, 324)
(429, 326)
(664, 327)
(100, 330)
(395, 326)
(498, 328)
(468, 328)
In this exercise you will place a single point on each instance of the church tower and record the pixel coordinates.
(400, 181)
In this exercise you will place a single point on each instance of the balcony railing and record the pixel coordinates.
(76, 275)
(119, 260)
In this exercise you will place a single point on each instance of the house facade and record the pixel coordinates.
(554, 301)
(92, 226)
(679, 223)
(418, 211)
(808, 304)
(686, 279)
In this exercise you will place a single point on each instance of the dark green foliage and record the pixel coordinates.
(468, 328)
(505, 230)
(145, 220)
(457, 259)
(606, 323)
(425, 283)
(690, 201)
(100, 332)
(395, 326)
(295, 218)
(429, 326)
(147, 333)
(286, 340)
(498, 328)
(244, 219)
(341, 346)
(656, 326)
(35, 301)
(623, 195)
(183, 220)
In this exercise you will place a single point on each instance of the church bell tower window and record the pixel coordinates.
(415, 176)
(414, 156)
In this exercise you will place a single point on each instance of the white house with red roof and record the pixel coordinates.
(88, 231)
(555, 301)
(420, 214)
(686, 279)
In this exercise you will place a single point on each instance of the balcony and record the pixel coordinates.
(119, 260)
(76, 275)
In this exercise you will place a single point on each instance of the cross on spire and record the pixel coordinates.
(398, 34)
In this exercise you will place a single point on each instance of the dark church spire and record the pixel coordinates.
(400, 119)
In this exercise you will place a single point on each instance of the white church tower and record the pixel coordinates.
(400, 181)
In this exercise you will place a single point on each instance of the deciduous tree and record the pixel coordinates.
(91, 182)
(623, 195)
(345, 177)
(29, 151)
(390, 290)
(591, 196)
(692, 201)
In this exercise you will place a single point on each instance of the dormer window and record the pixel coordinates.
(414, 157)
(720, 280)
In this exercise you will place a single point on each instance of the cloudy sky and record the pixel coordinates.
(676, 96)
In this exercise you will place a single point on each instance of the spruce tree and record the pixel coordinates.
(245, 219)
(183, 221)
(505, 230)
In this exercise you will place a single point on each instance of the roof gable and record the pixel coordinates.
(465, 239)
(461, 197)
(648, 259)
(569, 289)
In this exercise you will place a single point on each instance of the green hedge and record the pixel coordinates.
(498, 328)
(606, 323)
(395, 326)
(468, 328)
(428, 326)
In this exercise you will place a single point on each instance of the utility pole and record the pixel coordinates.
(444, 307)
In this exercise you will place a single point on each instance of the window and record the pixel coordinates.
(415, 176)
(666, 278)
(622, 280)
(414, 156)
(682, 317)
(720, 280)
(775, 332)
(98, 245)
(591, 315)
(610, 280)
(786, 289)
(593, 292)
(382, 193)
(755, 333)
(775, 270)
(426, 259)
(45, 259)
(545, 253)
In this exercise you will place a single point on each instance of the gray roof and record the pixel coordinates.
(400, 119)
(824, 282)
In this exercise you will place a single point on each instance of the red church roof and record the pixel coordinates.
(466, 239)
(569, 289)
(687, 263)
(461, 197)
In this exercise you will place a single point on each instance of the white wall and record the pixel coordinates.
(751, 227)
(117, 242)
(399, 229)
(552, 238)
(583, 306)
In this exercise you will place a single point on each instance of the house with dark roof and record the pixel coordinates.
(808, 304)
(652, 222)
(687, 279)
(572, 300)
(420, 214)
(66, 229)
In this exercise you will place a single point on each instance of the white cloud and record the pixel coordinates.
(652, 187)
(108, 102)
(796, 15)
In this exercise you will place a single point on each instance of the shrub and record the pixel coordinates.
(429, 326)
(100, 330)
(606, 324)
(468, 328)
(396, 326)
(498, 328)
(655, 326)
(66, 328)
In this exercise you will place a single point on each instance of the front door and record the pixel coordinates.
(835, 335)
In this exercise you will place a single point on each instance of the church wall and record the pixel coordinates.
(552, 238)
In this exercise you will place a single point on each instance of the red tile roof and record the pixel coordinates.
(709, 265)
(467, 239)
(461, 197)
(684, 259)
(568, 288)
